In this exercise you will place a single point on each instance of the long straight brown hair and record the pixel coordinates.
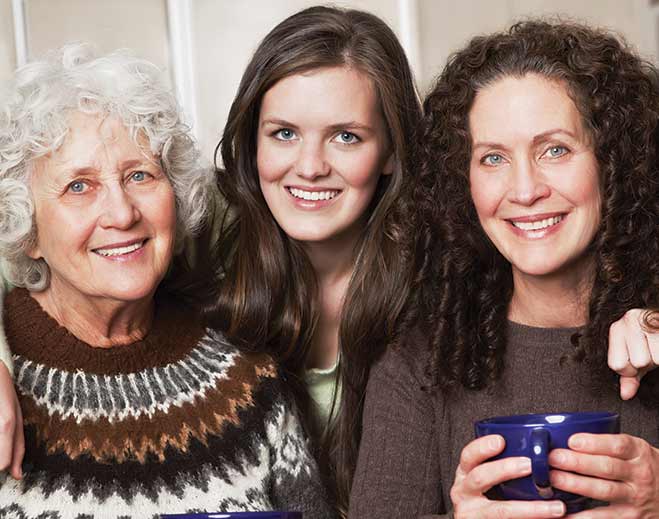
(269, 297)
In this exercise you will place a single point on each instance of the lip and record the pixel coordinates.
(122, 257)
(537, 234)
(535, 217)
(312, 205)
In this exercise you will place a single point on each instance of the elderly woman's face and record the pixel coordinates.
(533, 174)
(105, 213)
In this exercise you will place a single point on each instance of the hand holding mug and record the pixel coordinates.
(617, 468)
(534, 436)
(475, 476)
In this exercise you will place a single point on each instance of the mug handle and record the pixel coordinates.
(539, 462)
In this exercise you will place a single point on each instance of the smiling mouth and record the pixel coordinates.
(313, 195)
(119, 251)
(538, 225)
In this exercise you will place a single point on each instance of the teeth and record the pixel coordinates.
(540, 224)
(312, 195)
(119, 250)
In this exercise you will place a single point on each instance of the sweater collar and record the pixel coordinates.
(34, 334)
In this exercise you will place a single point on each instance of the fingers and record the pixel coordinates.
(19, 447)
(7, 427)
(629, 386)
(526, 509)
(595, 488)
(620, 446)
(7, 417)
(605, 467)
(479, 450)
(633, 351)
(653, 345)
(605, 512)
(618, 353)
(485, 476)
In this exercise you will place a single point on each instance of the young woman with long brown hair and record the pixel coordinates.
(314, 159)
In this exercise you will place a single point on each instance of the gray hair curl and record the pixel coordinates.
(34, 113)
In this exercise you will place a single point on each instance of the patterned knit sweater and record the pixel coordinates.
(180, 421)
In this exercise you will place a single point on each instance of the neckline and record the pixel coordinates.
(535, 334)
(34, 334)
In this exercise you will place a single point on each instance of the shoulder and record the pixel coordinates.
(407, 358)
(245, 361)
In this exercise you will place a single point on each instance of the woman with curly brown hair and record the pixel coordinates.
(538, 203)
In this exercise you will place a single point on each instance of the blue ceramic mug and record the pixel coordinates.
(533, 436)
(235, 515)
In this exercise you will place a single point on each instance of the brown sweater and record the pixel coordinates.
(180, 421)
(412, 439)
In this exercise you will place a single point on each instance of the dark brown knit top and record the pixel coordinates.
(412, 439)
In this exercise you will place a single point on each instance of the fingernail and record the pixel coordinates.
(524, 464)
(576, 442)
(559, 457)
(494, 442)
(557, 509)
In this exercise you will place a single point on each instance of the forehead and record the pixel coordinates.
(343, 93)
(95, 141)
(523, 107)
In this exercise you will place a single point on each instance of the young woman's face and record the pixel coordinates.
(322, 145)
(533, 174)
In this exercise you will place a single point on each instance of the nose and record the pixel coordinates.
(118, 209)
(527, 184)
(311, 161)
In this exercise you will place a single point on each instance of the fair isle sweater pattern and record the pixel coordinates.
(179, 422)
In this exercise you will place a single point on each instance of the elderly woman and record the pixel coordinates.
(131, 408)
(539, 208)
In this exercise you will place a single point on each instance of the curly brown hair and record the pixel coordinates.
(464, 285)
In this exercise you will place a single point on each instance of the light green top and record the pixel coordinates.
(322, 385)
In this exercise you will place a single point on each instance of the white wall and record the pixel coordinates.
(7, 52)
(226, 32)
(226, 35)
(445, 26)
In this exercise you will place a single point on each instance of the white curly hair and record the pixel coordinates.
(34, 115)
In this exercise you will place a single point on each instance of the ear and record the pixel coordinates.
(34, 252)
(389, 165)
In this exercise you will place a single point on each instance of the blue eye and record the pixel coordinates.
(138, 176)
(285, 134)
(347, 138)
(493, 159)
(77, 187)
(557, 151)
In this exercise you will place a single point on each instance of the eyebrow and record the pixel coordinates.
(538, 138)
(75, 171)
(544, 135)
(353, 125)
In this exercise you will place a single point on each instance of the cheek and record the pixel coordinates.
(162, 212)
(581, 187)
(360, 170)
(272, 162)
(484, 194)
(50, 220)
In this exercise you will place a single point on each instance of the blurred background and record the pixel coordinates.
(204, 45)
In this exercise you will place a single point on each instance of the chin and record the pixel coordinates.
(130, 293)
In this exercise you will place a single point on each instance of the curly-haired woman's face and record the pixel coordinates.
(322, 145)
(534, 175)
